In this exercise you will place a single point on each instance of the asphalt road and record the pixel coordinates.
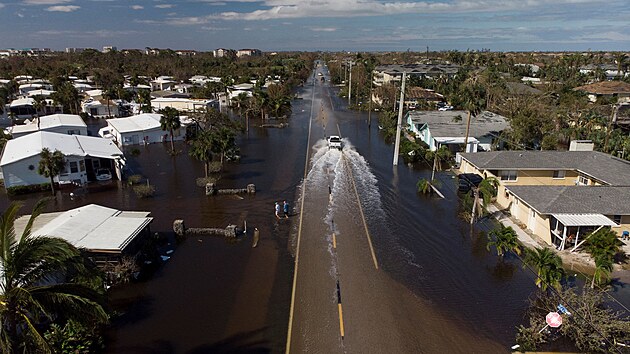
(342, 302)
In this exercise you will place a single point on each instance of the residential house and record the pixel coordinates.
(24, 89)
(248, 53)
(183, 104)
(56, 123)
(559, 196)
(84, 155)
(141, 129)
(222, 52)
(163, 83)
(101, 108)
(448, 128)
(384, 74)
(105, 233)
(610, 70)
(23, 108)
(618, 90)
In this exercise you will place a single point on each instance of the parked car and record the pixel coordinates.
(467, 181)
(103, 174)
(334, 141)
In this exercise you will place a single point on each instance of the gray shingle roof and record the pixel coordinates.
(599, 165)
(449, 124)
(607, 200)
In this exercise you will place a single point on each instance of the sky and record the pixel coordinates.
(312, 25)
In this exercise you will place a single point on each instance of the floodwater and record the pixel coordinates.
(214, 295)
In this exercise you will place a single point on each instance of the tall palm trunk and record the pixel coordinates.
(52, 185)
(172, 143)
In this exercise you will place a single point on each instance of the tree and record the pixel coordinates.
(144, 99)
(201, 149)
(423, 186)
(50, 165)
(548, 265)
(474, 101)
(223, 141)
(621, 59)
(41, 283)
(170, 122)
(603, 246)
(483, 194)
(39, 103)
(505, 240)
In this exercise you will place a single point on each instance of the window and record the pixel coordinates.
(508, 175)
(82, 165)
(74, 132)
(74, 167)
(617, 219)
(96, 163)
(559, 174)
(582, 181)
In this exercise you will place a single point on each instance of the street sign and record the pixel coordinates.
(553, 319)
(563, 310)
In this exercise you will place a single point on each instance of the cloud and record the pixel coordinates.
(46, 2)
(282, 9)
(137, 7)
(610, 36)
(65, 8)
(323, 29)
(86, 34)
(1, 5)
(165, 6)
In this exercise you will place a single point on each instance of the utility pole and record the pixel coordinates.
(467, 131)
(350, 85)
(370, 101)
(400, 116)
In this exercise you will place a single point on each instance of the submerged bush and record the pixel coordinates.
(134, 179)
(28, 189)
(144, 190)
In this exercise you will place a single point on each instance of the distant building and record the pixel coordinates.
(610, 89)
(222, 52)
(610, 70)
(384, 74)
(248, 53)
(109, 48)
(141, 129)
(57, 123)
(75, 50)
(183, 104)
(186, 53)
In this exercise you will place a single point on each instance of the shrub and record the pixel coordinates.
(144, 190)
(135, 152)
(73, 338)
(16, 190)
(134, 179)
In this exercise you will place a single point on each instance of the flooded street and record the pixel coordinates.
(219, 296)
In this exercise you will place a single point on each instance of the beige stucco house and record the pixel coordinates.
(560, 196)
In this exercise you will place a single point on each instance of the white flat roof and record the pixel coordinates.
(95, 227)
(584, 220)
(77, 145)
(51, 121)
(138, 123)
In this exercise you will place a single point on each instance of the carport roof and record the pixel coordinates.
(584, 220)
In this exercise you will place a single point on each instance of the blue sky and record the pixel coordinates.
(353, 25)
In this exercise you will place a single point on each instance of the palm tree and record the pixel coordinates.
(32, 294)
(621, 59)
(144, 99)
(474, 98)
(39, 103)
(50, 165)
(424, 186)
(483, 194)
(548, 265)
(170, 121)
(201, 149)
(505, 240)
(603, 268)
(223, 141)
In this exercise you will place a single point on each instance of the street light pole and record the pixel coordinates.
(350, 85)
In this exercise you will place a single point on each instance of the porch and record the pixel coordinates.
(566, 229)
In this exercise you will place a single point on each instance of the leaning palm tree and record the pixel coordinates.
(170, 122)
(36, 285)
(423, 186)
(603, 268)
(548, 265)
(505, 240)
(483, 194)
(50, 165)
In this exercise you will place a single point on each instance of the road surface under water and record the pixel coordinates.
(220, 296)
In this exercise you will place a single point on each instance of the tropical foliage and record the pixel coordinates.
(548, 266)
(50, 165)
(44, 280)
(505, 240)
(170, 122)
(603, 245)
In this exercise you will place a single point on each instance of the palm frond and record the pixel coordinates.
(37, 210)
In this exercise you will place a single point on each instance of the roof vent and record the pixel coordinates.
(581, 145)
(520, 155)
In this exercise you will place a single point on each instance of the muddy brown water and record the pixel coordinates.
(218, 296)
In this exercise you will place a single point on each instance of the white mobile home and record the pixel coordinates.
(183, 104)
(57, 123)
(84, 155)
(140, 129)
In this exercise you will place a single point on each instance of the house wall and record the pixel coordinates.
(624, 226)
(101, 111)
(148, 136)
(19, 174)
(179, 105)
(538, 224)
(60, 129)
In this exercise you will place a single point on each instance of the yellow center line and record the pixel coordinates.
(297, 251)
(356, 193)
(341, 329)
